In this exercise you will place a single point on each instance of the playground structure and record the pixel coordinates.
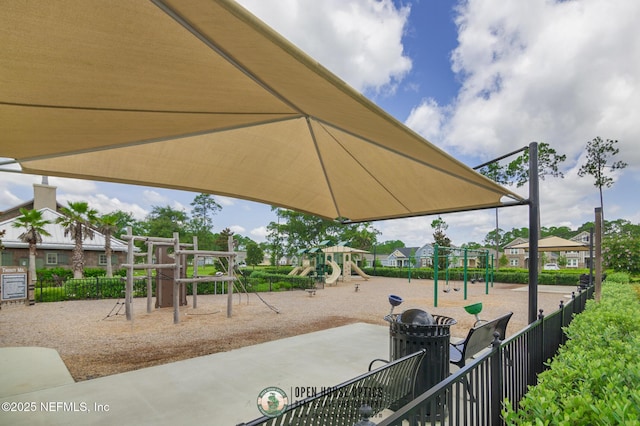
(173, 289)
(339, 258)
(452, 257)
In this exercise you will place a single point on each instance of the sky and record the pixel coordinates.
(477, 78)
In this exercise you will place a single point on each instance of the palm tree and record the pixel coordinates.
(108, 224)
(77, 221)
(34, 225)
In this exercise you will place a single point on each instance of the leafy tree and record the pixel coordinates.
(517, 171)
(123, 221)
(164, 221)
(221, 243)
(495, 237)
(503, 261)
(201, 223)
(360, 236)
(243, 242)
(599, 152)
(108, 225)
(516, 233)
(34, 225)
(389, 246)
(294, 231)
(78, 221)
(204, 208)
(439, 236)
(622, 253)
(548, 165)
(2, 233)
(558, 231)
(254, 254)
(497, 173)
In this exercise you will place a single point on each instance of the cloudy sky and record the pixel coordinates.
(478, 78)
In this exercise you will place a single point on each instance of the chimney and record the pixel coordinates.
(44, 195)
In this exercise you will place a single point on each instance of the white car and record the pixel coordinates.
(551, 267)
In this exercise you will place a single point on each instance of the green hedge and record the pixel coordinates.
(260, 280)
(503, 275)
(594, 377)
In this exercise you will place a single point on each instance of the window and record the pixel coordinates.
(514, 262)
(585, 238)
(102, 259)
(514, 251)
(572, 263)
(52, 258)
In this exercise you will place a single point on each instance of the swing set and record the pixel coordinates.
(451, 258)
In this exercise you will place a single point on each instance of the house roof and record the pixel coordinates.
(555, 244)
(405, 251)
(56, 240)
(342, 249)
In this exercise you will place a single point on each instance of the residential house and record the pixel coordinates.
(518, 257)
(55, 250)
(424, 256)
(580, 259)
(400, 258)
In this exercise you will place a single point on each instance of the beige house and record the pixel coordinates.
(55, 249)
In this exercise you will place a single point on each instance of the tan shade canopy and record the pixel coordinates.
(200, 95)
(555, 244)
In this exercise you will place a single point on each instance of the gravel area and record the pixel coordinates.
(93, 343)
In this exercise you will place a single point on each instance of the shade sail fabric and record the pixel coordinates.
(200, 95)
(555, 244)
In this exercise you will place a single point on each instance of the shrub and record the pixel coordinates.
(594, 377)
(618, 277)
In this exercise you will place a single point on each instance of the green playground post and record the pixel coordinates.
(435, 275)
(465, 273)
(486, 274)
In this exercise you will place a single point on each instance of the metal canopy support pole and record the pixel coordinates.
(534, 223)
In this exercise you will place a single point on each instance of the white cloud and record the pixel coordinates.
(237, 229)
(259, 233)
(358, 40)
(153, 197)
(556, 72)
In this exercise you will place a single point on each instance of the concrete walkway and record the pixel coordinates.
(220, 389)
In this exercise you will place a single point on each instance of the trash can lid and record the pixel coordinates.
(416, 317)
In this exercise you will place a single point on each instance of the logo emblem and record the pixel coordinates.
(272, 401)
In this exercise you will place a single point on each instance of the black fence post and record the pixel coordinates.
(496, 381)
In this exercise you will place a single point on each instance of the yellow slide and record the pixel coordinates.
(295, 270)
(306, 271)
(335, 272)
(359, 271)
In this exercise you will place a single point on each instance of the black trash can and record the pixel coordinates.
(414, 330)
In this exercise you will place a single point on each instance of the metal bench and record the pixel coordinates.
(340, 405)
(478, 339)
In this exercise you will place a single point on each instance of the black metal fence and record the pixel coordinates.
(474, 395)
(106, 288)
(51, 290)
